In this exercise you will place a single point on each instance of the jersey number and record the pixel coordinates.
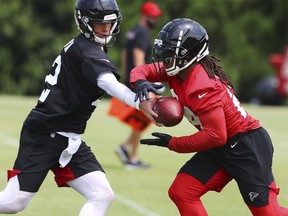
(237, 104)
(52, 79)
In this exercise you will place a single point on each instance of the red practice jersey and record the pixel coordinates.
(208, 104)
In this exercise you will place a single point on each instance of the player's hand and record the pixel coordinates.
(146, 107)
(143, 87)
(161, 140)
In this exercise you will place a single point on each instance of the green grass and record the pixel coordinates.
(137, 192)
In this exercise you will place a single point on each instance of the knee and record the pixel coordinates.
(13, 206)
(12, 200)
(104, 194)
(186, 188)
(172, 192)
(17, 206)
(108, 194)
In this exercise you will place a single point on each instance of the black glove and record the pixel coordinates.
(162, 140)
(143, 87)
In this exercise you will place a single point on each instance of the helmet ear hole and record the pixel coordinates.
(85, 20)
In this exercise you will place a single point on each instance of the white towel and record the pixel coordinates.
(74, 142)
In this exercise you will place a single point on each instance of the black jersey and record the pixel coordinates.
(137, 37)
(70, 92)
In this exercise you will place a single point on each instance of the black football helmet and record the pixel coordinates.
(181, 42)
(98, 11)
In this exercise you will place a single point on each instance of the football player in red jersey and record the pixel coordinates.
(51, 134)
(230, 144)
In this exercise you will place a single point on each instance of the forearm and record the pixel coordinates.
(111, 86)
(213, 135)
(199, 141)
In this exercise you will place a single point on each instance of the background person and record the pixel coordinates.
(229, 144)
(137, 51)
(51, 134)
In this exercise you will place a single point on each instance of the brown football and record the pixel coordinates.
(169, 110)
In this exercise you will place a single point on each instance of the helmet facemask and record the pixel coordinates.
(105, 39)
(166, 58)
(89, 12)
(85, 26)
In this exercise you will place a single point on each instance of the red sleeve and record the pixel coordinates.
(146, 72)
(213, 135)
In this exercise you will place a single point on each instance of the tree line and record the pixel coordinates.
(242, 33)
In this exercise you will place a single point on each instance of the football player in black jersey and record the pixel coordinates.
(51, 134)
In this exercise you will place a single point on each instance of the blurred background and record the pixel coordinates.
(250, 36)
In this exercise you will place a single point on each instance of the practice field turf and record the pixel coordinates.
(137, 193)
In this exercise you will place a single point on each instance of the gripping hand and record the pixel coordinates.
(143, 87)
(161, 140)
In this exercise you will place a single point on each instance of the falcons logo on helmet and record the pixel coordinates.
(253, 195)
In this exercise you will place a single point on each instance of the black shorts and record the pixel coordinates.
(39, 153)
(246, 157)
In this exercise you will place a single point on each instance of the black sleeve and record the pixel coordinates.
(91, 68)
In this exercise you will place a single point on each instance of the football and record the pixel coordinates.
(169, 110)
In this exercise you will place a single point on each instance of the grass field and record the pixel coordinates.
(138, 193)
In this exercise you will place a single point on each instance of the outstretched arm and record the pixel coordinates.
(109, 83)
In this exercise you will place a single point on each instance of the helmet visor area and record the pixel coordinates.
(163, 57)
(100, 36)
(163, 54)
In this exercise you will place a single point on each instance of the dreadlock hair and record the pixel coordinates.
(210, 64)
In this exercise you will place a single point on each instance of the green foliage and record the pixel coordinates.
(243, 33)
(32, 34)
